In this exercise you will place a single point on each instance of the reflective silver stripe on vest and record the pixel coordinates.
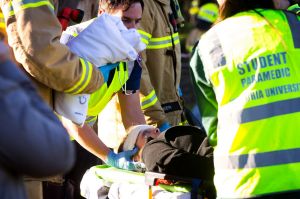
(258, 160)
(294, 24)
(270, 110)
(216, 52)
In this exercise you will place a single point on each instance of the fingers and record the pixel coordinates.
(136, 166)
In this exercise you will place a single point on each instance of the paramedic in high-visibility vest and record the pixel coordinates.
(119, 80)
(207, 14)
(247, 70)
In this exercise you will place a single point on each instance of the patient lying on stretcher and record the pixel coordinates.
(180, 150)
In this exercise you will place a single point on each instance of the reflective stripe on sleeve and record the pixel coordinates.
(87, 69)
(257, 160)
(24, 4)
(163, 42)
(149, 100)
(159, 42)
(145, 36)
(10, 8)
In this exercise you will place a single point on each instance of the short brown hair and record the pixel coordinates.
(110, 5)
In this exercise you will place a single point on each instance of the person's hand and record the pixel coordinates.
(123, 160)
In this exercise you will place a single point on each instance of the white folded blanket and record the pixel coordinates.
(103, 40)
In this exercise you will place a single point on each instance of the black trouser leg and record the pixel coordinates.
(84, 161)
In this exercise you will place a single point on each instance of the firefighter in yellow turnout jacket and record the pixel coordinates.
(36, 46)
(250, 81)
(160, 99)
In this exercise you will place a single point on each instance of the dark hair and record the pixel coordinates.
(232, 7)
(111, 5)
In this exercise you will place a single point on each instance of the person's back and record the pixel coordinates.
(250, 60)
(33, 142)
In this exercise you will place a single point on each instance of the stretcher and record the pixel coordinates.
(102, 181)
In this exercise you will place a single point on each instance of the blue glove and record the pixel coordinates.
(105, 70)
(164, 126)
(123, 160)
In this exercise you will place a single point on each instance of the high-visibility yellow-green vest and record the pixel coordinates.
(252, 61)
(294, 8)
(208, 12)
(102, 96)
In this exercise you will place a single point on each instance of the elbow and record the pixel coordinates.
(57, 159)
(61, 161)
(64, 161)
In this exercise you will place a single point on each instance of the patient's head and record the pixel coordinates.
(137, 137)
(130, 11)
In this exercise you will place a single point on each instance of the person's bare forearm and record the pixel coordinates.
(131, 110)
(87, 138)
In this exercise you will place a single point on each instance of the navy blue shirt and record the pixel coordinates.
(133, 83)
